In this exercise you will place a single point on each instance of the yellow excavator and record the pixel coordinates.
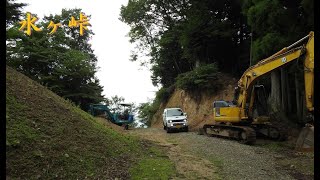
(238, 120)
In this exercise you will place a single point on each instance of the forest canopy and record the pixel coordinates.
(181, 35)
(63, 61)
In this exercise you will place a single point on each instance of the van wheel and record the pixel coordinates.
(164, 126)
(186, 129)
(168, 130)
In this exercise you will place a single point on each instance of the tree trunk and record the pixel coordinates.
(275, 96)
(177, 66)
(284, 97)
(296, 80)
(197, 64)
(288, 94)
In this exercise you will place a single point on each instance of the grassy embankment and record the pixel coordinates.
(48, 137)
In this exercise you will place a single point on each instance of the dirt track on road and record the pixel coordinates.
(202, 157)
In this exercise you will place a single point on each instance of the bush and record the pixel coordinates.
(201, 78)
(164, 94)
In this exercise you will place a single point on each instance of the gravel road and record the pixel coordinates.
(201, 157)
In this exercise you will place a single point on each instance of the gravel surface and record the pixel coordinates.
(231, 159)
(239, 161)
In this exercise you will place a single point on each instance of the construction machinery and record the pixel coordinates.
(122, 118)
(239, 122)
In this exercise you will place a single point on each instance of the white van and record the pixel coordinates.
(174, 119)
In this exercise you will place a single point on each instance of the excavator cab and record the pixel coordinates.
(125, 114)
(225, 112)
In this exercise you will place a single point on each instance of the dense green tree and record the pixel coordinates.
(181, 35)
(168, 61)
(149, 21)
(13, 11)
(145, 111)
(63, 61)
(275, 25)
(215, 31)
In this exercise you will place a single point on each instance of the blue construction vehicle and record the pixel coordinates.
(122, 118)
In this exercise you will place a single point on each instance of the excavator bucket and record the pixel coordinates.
(305, 142)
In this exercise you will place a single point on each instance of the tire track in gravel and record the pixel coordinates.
(202, 157)
(188, 166)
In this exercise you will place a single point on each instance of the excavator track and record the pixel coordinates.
(269, 131)
(244, 134)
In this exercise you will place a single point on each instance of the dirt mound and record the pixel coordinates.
(47, 137)
(199, 110)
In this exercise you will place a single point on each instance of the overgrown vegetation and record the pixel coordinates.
(164, 94)
(202, 78)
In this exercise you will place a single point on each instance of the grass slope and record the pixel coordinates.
(47, 137)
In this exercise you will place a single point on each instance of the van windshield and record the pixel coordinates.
(174, 112)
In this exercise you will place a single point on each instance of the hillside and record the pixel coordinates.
(199, 110)
(199, 107)
(47, 137)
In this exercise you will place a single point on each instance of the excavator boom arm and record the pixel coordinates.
(309, 74)
(277, 61)
(237, 122)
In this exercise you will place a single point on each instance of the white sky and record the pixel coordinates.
(117, 74)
